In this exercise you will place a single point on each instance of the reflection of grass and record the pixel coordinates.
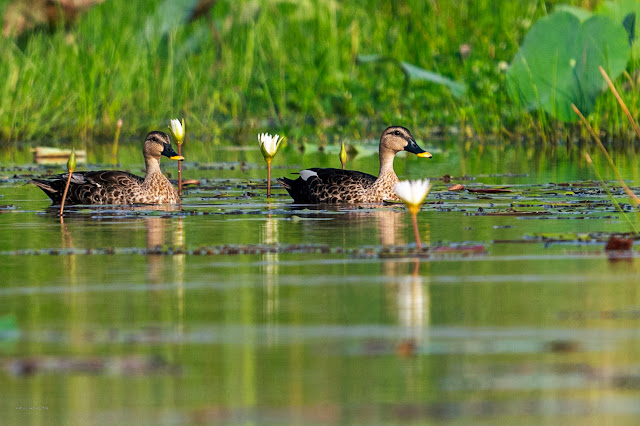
(258, 64)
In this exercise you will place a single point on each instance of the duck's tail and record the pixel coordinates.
(49, 188)
(286, 183)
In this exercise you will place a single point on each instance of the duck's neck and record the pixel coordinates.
(153, 168)
(386, 164)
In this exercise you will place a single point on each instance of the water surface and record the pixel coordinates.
(236, 308)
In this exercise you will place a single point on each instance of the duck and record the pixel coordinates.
(337, 186)
(119, 187)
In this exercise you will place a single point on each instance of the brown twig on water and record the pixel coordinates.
(626, 188)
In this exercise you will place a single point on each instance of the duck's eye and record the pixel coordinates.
(397, 133)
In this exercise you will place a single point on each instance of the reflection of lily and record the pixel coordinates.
(177, 129)
(413, 303)
(413, 193)
(269, 146)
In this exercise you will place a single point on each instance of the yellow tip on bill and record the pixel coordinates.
(425, 154)
(177, 157)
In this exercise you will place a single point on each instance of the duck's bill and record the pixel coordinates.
(413, 148)
(177, 157)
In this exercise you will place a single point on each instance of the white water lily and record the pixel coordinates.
(177, 128)
(269, 145)
(412, 192)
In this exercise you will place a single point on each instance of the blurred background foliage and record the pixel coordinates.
(233, 68)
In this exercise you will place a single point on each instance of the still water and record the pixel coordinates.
(239, 309)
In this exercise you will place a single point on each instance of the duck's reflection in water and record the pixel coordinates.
(163, 232)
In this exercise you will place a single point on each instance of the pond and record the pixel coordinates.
(236, 308)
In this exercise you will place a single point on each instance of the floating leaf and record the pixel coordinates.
(557, 64)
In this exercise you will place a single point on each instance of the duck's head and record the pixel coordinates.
(158, 143)
(398, 138)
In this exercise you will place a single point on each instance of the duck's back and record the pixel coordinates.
(329, 186)
(94, 187)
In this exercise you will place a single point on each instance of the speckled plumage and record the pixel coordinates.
(334, 186)
(118, 187)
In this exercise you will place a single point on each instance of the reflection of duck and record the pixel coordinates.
(317, 186)
(118, 187)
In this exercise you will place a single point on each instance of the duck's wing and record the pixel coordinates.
(93, 187)
(326, 186)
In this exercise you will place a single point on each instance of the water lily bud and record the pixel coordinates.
(71, 163)
(177, 129)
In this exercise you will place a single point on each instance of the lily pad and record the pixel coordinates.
(557, 64)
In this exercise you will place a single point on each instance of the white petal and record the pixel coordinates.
(412, 192)
(176, 128)
(269, 143)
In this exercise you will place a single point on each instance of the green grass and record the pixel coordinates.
(275, 65)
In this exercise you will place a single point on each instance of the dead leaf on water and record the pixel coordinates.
(617, 243)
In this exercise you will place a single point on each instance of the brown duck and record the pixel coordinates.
(327, 186)
(117, 187)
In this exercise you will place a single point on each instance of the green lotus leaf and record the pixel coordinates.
(557, 64)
